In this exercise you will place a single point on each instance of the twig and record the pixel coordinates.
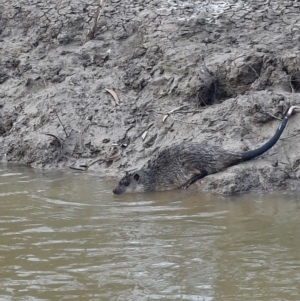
(268, 113)
(254, 71)
(95, 161)
(201, 99)
(61, 123)
(99, 159)
(186, 112)
(91, 34)
(172, 111)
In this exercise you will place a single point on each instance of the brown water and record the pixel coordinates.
(64, 236)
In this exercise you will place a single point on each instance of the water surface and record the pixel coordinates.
(64, 236)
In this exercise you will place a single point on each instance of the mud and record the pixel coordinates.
(230, 68)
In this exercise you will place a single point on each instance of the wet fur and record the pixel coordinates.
(177, 166)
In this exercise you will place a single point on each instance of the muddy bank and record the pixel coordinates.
(231, 67)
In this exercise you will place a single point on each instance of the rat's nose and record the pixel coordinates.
(116, 191)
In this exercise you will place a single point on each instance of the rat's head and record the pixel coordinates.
(130, 183)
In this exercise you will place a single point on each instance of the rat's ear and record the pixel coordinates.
(136, 176)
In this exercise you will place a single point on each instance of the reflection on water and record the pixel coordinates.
(64, 236)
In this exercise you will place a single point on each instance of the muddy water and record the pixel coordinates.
(64, 236)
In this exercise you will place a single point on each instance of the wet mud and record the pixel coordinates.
(102, 88)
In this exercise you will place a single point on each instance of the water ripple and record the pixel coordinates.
(65, 237)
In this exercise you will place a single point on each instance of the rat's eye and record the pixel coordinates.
(126, 183)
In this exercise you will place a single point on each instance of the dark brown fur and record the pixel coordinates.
(175, 166)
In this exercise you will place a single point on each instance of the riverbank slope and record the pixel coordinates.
(101, 96)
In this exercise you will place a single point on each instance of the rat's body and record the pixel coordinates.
(181, 165)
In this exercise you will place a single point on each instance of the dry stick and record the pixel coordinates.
(202, 100)
(272, 116)
(61, 123)
(112, 158)
(172, 111)
(186, 112)
(91, 33)
(95, 161)
(102, 159)
(253, 71)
